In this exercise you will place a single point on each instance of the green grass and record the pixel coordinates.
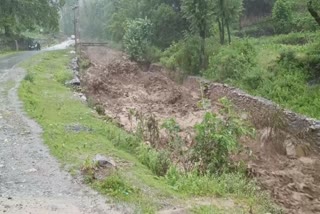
(8, 53)
(284, 82)
(55, 108)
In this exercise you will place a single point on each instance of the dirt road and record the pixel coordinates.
(31, 181)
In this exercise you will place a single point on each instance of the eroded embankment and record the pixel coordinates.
(283, 162)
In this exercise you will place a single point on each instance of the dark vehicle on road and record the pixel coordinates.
(34, 46)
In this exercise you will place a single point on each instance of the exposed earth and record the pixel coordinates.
(31, 180)
(122, 86)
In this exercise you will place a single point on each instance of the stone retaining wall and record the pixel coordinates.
(265, 113)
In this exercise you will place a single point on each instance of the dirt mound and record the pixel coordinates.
(292, 181)
(121, 86)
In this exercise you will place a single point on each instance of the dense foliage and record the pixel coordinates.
(21, 15)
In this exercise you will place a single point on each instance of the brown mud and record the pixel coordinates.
(121, 86)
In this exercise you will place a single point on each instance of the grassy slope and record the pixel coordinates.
(55, 108)
(285, 84)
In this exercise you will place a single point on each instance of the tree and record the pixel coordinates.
(282, 16)
(199, 14)
(312, 10)
(137, 38)
(19, 15)
(226, 12)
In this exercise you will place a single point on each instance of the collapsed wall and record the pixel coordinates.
(265, 113)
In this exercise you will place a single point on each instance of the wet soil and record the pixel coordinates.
(121, 85)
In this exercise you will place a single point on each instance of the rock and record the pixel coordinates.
(74, 81)
(83, 97)
(155, 68)
(31, 170)
(290, 148)
(104, 161)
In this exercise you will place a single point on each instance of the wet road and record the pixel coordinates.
(31, 180)
(7, 62)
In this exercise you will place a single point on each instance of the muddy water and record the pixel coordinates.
(121, 85)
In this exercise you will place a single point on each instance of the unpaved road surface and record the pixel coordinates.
(31, 181)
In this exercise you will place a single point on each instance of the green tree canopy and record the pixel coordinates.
(20, 15)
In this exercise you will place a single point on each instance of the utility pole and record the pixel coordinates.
(75, 23)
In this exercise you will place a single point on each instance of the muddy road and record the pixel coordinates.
(31, 180)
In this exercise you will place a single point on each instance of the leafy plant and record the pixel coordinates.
(100, 109)
(217, 138)
(177, 145)
(231, 62)
(157, 161)
(282, 16)
(115, 186)
(29, 77)
(137, 38)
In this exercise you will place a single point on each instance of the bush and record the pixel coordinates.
(304, 22)
(312, 61)
(29, 77)
(231, 62)
(115, 186)
(152, 54)
(157, 161)
(136, 38)
(216, 139)
(282, 16)
(185, 54)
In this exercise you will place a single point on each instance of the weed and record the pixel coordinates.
(216, 139)
(88, 169)
(148, 128)
(100, 110)
(176, 144)
(115, 186)
(157, 161)
(84, 63)
(29, 77)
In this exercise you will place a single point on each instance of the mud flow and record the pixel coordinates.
(121, 87)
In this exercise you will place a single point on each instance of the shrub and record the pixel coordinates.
(157, 161)
(184, 55)
(282, 16)
(29, 77)
(304, 22)
(231, 62)
(136, 38)
(115, 186)
(216, 139)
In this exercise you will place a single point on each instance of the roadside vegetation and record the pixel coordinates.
(22, 21)
(146, 178)
(267, 48)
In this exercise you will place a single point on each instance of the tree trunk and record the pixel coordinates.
(228, 30)
(7, 31)
(203, 28)
(17, 45)
(313, 12)
(221, 31)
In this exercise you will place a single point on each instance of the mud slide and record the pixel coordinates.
(122, 86)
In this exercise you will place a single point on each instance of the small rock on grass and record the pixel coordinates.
(104, 161)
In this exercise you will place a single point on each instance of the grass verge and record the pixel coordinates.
(56, 109)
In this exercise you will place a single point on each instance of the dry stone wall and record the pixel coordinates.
(265, 113)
